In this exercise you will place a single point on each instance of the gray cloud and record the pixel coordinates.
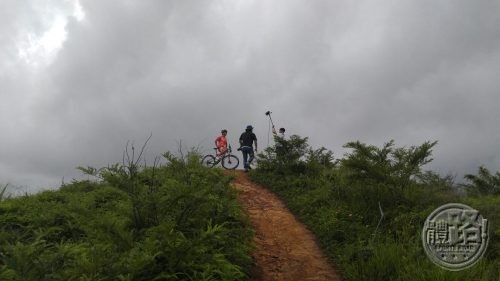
(334, 71)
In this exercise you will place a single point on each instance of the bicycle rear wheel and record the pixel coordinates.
(230, 162)
(208, 161)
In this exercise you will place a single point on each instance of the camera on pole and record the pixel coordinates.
(268, 113)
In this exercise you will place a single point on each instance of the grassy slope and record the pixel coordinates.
(346, 232)
(177, 222)
(340, 204)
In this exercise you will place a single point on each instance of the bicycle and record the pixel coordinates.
(229, 161)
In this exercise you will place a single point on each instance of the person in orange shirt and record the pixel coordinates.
(221, 143)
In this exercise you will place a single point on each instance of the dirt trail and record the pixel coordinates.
(286, 250)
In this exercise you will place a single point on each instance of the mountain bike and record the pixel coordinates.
(229, 161)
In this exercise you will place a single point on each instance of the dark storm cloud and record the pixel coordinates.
(335, 71)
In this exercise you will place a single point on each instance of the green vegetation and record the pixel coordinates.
(340, 201)
(483, 183)
(181, 221)
(2, 192)
(178, 221)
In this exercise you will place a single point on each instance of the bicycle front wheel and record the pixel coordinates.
(208, 161)
(230, 162)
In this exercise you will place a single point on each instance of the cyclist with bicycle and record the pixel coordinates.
(221, 143)
(247, 139)
(222, 155)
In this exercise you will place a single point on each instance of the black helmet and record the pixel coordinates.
(249, 128)
(223, 131)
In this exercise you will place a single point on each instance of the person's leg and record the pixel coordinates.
(252, 156)
(223, 150)
(245, 157)
(220, 152)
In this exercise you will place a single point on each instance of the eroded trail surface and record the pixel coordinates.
(286, 250)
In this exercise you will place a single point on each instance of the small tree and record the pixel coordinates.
(483, 183)
(285, 155)
(319, 159)
(388, 164)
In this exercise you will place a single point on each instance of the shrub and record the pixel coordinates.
(483, 183)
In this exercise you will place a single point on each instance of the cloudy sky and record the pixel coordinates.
(80, 78)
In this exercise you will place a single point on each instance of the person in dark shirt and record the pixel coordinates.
(247, 139)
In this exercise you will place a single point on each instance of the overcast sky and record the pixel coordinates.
(78, 79)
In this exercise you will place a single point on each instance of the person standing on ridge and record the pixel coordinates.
(280, 134)
(221, 143)
(247, 139)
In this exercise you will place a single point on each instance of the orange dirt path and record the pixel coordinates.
(285, 249)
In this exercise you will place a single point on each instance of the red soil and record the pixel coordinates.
(285, 249)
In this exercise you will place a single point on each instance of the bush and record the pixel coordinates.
(294, 156)
(483, 183)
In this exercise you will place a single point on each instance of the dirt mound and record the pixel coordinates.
(286, 249)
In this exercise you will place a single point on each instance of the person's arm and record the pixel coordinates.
(274, 131)
(241, 140)
(255, 145)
